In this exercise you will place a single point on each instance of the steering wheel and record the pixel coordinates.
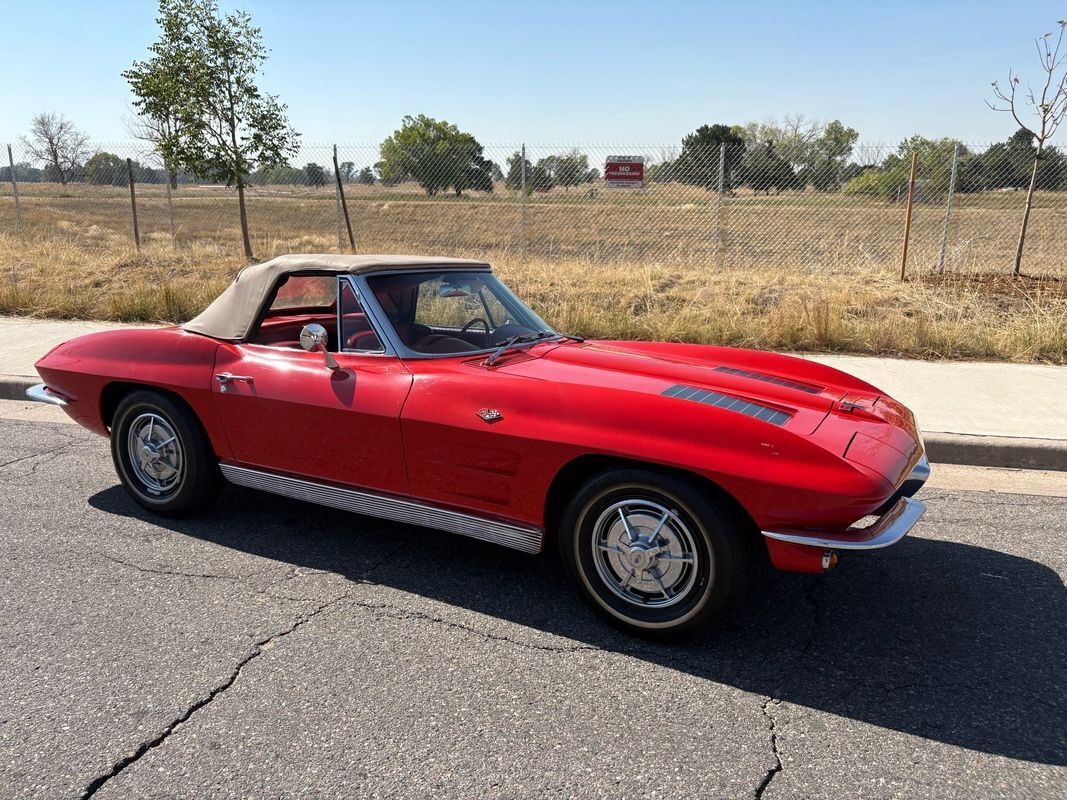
(475, 321)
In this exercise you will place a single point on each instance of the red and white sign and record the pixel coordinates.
(625, 171)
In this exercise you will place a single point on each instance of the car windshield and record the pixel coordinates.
(454, 312)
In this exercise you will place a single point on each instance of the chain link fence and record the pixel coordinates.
(725, 205)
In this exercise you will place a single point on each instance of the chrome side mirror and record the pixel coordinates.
(313, 338)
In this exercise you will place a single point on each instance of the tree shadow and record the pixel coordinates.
(951, 642)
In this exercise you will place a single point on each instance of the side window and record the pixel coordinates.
(300, 300)
(356, 331)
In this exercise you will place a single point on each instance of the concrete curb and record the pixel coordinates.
(943, 448)
(996, 451)
(13, 387)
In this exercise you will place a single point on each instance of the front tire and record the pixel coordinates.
(162, 455)
(651, 553)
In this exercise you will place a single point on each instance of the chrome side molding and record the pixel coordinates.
(888, 529)
(42, 394)
(517, 537)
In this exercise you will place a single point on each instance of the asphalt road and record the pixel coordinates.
(274, 649)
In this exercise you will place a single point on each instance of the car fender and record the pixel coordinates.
(171, 359)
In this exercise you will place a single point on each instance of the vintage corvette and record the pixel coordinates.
(422, 390)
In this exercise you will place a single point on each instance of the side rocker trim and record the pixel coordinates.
(518, 537)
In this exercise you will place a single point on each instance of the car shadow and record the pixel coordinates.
(951, 642)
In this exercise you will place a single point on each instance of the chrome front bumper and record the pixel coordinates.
(42, 394)
(919, 475)
(898, 516)
(888, 529)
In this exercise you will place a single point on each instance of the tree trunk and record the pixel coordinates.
(173, 176)
(244, 220)
(1026, 211)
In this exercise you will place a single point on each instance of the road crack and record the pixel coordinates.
(393, 612)
(172, 572)
(777, 766)
(53, 451)
(146, 747)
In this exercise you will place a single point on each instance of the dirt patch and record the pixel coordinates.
(1023, 287)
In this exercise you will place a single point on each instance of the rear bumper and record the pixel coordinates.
(43, 394)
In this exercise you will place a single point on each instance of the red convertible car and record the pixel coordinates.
(422, 390)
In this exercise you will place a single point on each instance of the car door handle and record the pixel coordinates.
(224, 378)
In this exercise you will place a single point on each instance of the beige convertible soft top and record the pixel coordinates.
(233, 313)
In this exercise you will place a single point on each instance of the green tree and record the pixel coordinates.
(698, 163)
(366, 177)
(513, 177)
(437, 154)
(543, 177)
(933, 168)
(572, 169)
(158, 89)
(281, 175)
(763, 169)
(660, 172)
(827, 158)
(315, 174)
(347, 170)
(106, 169)
(226, 125)
(478, 176)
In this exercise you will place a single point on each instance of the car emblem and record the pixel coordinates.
(490, 415)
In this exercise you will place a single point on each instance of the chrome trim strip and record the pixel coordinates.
(518, 537)
(41, 394)
(890, 528)
(376, 325)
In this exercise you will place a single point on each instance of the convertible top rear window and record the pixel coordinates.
(305, 291)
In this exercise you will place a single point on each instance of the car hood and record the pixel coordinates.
(791, 384)
(810, 393)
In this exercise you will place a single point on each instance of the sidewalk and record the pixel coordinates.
(985, 414)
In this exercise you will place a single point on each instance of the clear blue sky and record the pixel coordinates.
(559, 72)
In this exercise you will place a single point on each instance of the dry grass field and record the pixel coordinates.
(794, 272)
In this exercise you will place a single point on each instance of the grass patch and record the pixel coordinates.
(846, 300)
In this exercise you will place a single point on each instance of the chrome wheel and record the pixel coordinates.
(645, 553)
(155, 452)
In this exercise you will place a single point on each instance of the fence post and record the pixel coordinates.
(15, 190)
(948, 207)
(344, 203)
(718, 199)
(170, 216)
(337, 219)
(907, 215)
(522, 203)
(133, 205)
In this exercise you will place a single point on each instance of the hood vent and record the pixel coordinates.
(759, 376)
(765, 413)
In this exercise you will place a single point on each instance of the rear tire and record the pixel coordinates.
(651, 553)
(162, 455)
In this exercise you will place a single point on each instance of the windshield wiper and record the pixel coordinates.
(513, 341)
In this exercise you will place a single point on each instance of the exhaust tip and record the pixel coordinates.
(829, 560)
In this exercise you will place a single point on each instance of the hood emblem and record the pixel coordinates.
(490, 415)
